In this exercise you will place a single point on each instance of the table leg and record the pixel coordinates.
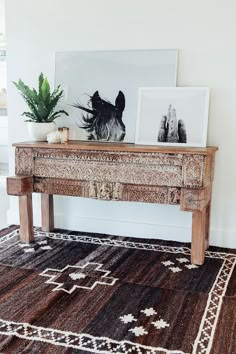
(47, 212)
(198, 237)
(207, 230)
(26, 218)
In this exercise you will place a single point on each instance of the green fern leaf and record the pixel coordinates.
(42, 104)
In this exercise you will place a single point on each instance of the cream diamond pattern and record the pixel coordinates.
(175, 269)
(29, 250)
(128, 318)
(149, 312)
(87, 277)
(160, 324)
(41, 245)
(76, 276)
(45, 248)
(191, 266)
(167, 263)
(43, 242)
(182, 260)
(138, 331)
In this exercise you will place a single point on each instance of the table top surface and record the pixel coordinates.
(123, 147)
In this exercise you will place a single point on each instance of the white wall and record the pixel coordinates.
(204, 31)
(3, 139)
(2, 16)
(4, 205)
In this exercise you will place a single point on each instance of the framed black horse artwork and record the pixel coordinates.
(101, 89)
(104, 120)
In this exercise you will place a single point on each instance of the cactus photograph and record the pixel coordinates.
(175, 116)
(172, 129)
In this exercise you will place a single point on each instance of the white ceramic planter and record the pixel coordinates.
(39, 131)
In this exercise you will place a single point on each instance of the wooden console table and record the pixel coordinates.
(125, 172)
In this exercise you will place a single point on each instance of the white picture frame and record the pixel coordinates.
(173, 116)
(81, 74)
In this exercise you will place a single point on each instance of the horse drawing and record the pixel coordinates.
(103, 120)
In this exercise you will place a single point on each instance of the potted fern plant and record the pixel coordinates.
(42, 105)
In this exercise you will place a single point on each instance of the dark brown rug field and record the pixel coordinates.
(72, 292)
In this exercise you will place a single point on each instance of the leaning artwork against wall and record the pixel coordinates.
(173, 116)
(101, 89)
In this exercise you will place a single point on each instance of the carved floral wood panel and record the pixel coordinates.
(193, 170)
(24, 162)
(111, 156)
(108, 191)
(177, 170)
(106, 172)
(118, 175)
(114, 172)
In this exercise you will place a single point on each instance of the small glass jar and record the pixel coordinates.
(66, 134)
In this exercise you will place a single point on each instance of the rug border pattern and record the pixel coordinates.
(80, 341)
(203, 341)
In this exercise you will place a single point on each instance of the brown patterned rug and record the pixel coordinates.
(72, 292)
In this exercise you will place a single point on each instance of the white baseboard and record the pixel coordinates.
(125, 228)
(221, 238)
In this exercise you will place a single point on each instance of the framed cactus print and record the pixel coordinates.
(176, 116)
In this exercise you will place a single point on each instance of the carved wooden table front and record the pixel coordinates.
(124, 172)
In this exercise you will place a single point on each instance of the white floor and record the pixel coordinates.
(4, 199)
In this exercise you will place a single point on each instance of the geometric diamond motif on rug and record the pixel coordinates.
(147, 311)
(72, 277)
(140, 330)
(175, 268)
(33, 247)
